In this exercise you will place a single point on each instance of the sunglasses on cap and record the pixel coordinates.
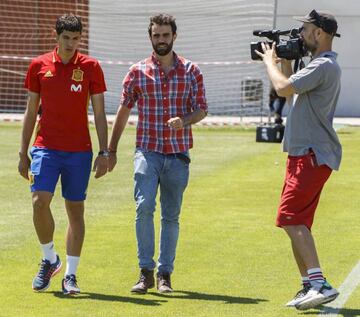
(328, 24)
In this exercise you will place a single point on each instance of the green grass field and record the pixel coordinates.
(231, 259)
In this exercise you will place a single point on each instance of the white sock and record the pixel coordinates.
(315, 276)
(72, 263)
(49, 252)
(305, 280)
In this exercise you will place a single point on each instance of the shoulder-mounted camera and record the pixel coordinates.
(290, 48)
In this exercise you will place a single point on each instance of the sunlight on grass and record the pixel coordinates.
(231, 259)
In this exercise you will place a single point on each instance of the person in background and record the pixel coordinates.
(276, 105)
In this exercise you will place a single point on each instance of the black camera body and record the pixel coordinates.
(291, 48)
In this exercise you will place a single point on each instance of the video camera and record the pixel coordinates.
(292, 48)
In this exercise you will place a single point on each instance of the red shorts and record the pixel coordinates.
(304, 181)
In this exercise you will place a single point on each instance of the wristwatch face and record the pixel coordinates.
(104, 153)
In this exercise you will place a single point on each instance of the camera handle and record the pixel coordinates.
(299, 64)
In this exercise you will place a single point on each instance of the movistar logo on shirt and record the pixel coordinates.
(76, 88)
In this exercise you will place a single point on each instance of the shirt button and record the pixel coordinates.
(162, 74)
(164, 97)
(164, 85)
(166, 138)
(165, 111)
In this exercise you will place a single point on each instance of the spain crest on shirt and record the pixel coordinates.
(78, 75)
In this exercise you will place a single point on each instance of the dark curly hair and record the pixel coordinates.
(163, 19)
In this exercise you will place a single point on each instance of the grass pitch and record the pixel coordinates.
(231, 259)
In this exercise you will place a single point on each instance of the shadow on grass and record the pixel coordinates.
(211, 297)
(110, 298)
(326, 310)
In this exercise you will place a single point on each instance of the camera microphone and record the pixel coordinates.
(271, 33)
(263, 33)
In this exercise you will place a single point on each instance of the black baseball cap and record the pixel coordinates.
(323, 20)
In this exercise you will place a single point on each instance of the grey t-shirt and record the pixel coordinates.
(309, 122)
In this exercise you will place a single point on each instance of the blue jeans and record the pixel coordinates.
(172, 174)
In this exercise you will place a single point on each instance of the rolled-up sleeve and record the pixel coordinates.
(198, 99)
(129, 96)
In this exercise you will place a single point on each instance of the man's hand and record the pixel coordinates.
(112, 161)
(24, 165)
(100, 166)
(176, 123)
(269, 56)
(279, 80)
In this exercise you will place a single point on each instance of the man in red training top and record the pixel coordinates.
(62, 81)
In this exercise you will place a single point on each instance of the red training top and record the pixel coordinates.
(64, 97)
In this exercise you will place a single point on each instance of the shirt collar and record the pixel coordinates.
(157, 62)
(56, 57)
(330, 54)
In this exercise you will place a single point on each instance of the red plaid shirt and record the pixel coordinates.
(160, 97)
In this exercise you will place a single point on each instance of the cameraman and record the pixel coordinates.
(313, 147)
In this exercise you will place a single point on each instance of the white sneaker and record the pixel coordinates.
(69, 285)
(317, 295)
(299, 296)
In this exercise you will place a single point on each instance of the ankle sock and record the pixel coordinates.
(315, 276)
(49, 253)
(305, 280)
(72, 263)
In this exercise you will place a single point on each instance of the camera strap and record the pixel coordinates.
(299, 64)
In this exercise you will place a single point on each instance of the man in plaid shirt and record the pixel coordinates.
(170, 96)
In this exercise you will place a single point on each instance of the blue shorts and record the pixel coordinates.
(73, 167)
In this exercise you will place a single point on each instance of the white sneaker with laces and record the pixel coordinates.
(69, 285)
(299, 296)
(317, 295)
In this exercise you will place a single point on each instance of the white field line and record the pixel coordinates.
(351, 282)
